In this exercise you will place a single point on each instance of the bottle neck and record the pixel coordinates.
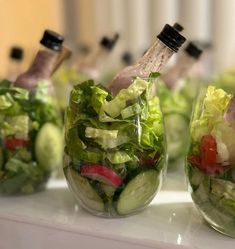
(64, 54)
(14, 69)
(43, 63)
(97, 55)
(178, 71)
(154, 59)
(93, 64)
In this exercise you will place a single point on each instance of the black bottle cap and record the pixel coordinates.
(52, 40)
(178, 27)
(193, 50)
(17, 53)
(127, 58)
(108, 43)
(171, 37)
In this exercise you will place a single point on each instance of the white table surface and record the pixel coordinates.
(52, 219)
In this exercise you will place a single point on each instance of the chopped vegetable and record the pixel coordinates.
(102, 174)
(14, 143)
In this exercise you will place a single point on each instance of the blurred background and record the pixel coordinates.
(84, 22)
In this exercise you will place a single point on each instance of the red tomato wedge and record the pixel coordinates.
(101, 173)
(215, 169)
(206, 161)
(14, 143)
(208, 151)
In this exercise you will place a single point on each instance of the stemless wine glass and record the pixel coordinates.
(115, 148)
(31, 140)
(210, 164)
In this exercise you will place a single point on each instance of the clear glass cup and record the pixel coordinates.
(210, 163)
(31, 140)
(115, 153)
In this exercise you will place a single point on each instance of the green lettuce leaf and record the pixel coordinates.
(131, 111)
(106, 138)
(209, 112)
(98, 98)
(118, 157)
(115, 106)
(18, 126)
(5, 102)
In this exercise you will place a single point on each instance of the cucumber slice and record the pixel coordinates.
(83, 190)
(49, 146)
(138, 192)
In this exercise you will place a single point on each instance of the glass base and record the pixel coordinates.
(213, 224)
(110, 215)
(218, 228)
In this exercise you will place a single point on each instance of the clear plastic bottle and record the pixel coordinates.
(44, 63)
(16, 56)
(167, 43)
(185, 62)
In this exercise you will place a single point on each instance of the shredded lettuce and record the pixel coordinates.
(115, 106)
(118, 157)
(212, 110)
(118, 128)
(216, 102)
(17, 126)
(101, 134)
(98, 98)
(131, 111)
(5, 103)
(106, 138)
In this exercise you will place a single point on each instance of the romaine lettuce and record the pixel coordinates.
(115, 106)
(137, 125)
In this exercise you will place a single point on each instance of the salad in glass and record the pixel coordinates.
(31, 140)
(64, 79)
(176, 108)
(115, 147)
(210, 163)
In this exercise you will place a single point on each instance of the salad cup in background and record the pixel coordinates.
(31, 141)
(115, 148)
(176, 108)
(210, 165)
(64, 79)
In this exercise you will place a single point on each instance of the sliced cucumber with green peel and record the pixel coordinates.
(49, 146)
(83, 189)
(138, 192)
